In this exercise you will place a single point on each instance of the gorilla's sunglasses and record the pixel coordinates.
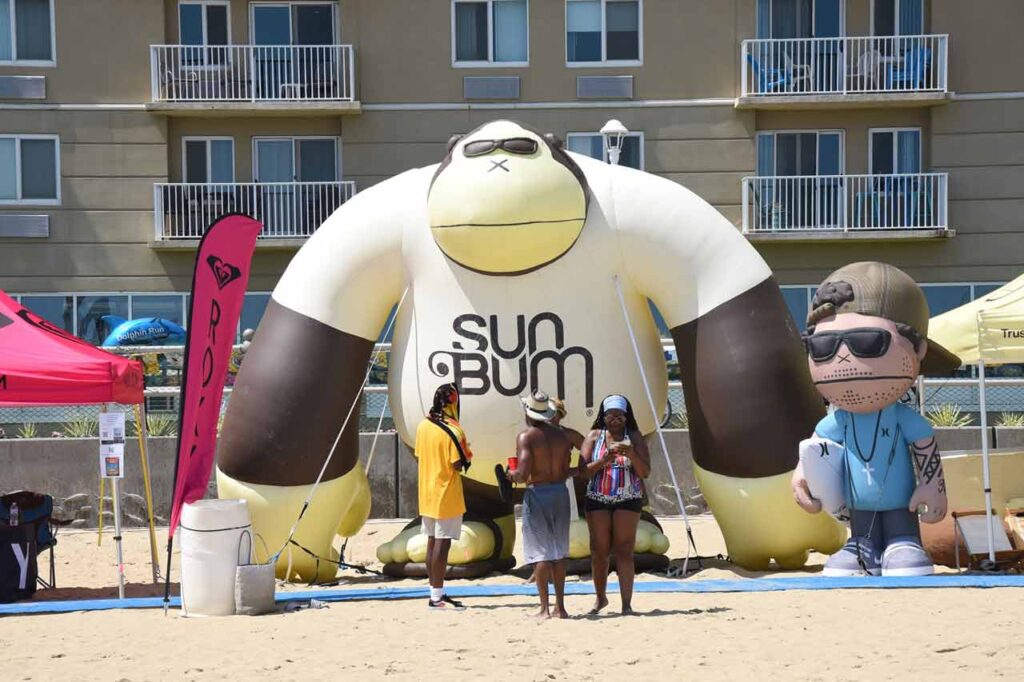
(864, 342)
(516, 145)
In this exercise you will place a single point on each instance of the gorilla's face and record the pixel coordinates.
(506, 201)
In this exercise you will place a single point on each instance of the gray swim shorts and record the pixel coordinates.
(546, 523)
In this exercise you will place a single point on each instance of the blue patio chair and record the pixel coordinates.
(35, 509)
(775, 79)
(912, 73)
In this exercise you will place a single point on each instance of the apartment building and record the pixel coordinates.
(827, 131)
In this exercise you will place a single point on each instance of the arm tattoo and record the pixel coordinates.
(929, 464)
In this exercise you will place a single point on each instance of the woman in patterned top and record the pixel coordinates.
(617, 461)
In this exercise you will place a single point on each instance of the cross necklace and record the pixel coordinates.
(867, 468)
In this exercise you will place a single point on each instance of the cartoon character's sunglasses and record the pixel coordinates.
(515, 145)
(864, 342)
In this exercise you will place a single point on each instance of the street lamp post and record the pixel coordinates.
(613, 132)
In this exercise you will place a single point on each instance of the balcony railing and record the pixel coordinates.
(844, 203)
(288, 210)
(844, 66)
(252, 73)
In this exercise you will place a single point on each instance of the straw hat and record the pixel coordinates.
(538, 406)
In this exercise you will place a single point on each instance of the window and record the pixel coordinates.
(800, 184)
(601, 31)
(302, 159)
(29, 169)
(252, 310)
(60, 310)
(781, 19)
(163, 306)
(895, 150)
(897, 17)
(204, 24)
(800, 153)
(490, 32)
(798, 301)
(97, 316)
(208, 159)
(593, 145)
(298, 23)
(26, 32)
(945, 297)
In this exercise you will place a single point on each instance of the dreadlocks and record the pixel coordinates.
(446, 403)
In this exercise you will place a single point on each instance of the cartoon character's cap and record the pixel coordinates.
(881, 290)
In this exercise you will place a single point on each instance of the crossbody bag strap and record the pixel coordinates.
(458, 445)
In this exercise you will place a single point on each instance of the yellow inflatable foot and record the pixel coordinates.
(339, 506)
(475, 544)
(760, 521)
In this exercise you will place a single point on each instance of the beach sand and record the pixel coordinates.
(841, 634)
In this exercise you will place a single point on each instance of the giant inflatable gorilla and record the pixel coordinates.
(511, 250)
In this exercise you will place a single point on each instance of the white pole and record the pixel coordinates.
(116, 493)
(984, 457)
(117, 536)
(920, 394)
(657, 427)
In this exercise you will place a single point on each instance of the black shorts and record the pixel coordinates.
(636, 505)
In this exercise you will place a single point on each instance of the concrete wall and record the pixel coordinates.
(67, 469)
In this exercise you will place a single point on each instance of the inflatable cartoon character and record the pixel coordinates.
(509, 258)
(866, 344)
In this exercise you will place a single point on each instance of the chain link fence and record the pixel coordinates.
(1004, 396)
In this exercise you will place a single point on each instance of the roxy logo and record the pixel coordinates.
(1012, 333)
(225, 273)
(478, 368)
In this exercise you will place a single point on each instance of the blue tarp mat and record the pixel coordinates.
(744, 585)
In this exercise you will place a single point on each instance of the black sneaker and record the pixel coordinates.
(446, 603)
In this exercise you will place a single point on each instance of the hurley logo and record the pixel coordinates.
(226, 273)
(4, 321)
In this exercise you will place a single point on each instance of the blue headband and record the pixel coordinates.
(614, 402)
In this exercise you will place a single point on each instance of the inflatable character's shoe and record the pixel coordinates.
(339, 506)
(904, 557)
(858, 556)
(649, 552)
(485, 546)
(760, 521)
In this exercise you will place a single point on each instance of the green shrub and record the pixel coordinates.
(28, 430)
(162, 424)
(85, 427)
(1011, 419)
(948, 414)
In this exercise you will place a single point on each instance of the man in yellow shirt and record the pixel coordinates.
(442, 452)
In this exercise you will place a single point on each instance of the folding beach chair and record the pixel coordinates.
(35, 509)
(971, 529)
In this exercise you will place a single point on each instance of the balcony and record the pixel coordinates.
(290, 211)
(831, 207)
(875, 71)
(282, 80)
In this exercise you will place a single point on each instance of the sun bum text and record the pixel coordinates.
(477, 370)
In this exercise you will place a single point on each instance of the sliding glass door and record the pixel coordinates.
(283, 72)
(800, 182)
(296, 176)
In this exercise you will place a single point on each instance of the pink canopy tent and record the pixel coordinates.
(41, 364)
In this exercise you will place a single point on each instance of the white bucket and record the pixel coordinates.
(211, 532)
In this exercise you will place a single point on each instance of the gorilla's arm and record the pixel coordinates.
(308, 358)
(748, 391)
(749, 396)
(296, 385)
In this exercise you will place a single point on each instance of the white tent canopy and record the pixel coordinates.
(989, 331)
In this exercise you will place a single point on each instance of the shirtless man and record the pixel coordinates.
(543, 451)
